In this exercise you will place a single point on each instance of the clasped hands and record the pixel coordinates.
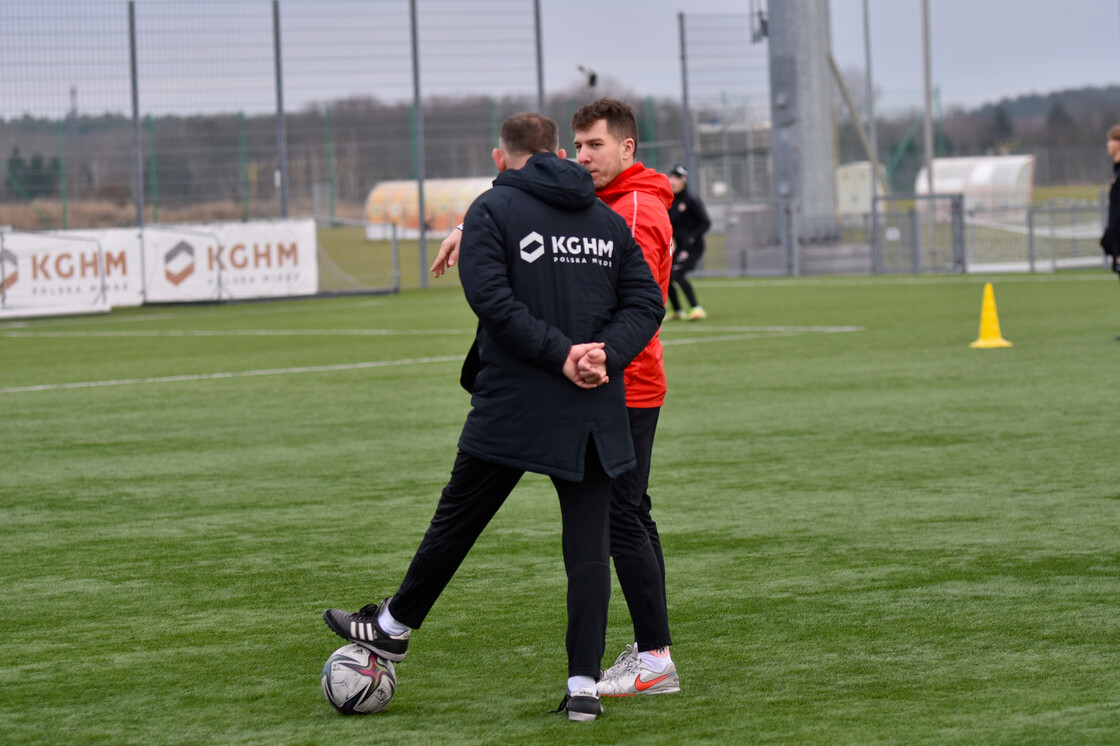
(586, 365)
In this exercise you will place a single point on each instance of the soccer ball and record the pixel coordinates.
(357, 682)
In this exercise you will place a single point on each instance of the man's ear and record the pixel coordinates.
(562, 153)
(628, 147)
(499, 159)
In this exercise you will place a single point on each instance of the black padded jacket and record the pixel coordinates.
(545, 265)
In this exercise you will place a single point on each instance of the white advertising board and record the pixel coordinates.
(69, 271)
(229, 261)
(85, 271)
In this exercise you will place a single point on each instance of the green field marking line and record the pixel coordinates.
(114, 318)
(720, 334)
(243, 333)
(772, 329)
(754, 330)
(737, 333)
(234, 374)
(887, 281)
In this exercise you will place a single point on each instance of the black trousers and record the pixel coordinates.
(635, 544)
(476, 490)
(679, 276)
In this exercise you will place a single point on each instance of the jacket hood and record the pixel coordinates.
(638, 178)
(562, 184)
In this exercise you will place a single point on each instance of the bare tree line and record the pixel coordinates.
(352, 144)
(1064, 130)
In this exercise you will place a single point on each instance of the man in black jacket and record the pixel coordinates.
(1110, 241)
(690, 223)
(565, 300)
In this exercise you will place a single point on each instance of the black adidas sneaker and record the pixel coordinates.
(362, 628)
(583, 706)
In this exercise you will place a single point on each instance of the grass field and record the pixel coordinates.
(1088, 192)
(874, 534)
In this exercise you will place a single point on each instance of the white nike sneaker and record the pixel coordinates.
(629, 676)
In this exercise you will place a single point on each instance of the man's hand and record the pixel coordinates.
(592, 367)
(586, 365)
(448, 252)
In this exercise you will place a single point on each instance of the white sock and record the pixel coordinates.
(389, 624)
(656, 660)
(575, 683)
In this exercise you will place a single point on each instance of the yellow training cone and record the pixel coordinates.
(989, 322)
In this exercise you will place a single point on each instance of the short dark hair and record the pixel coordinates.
(622, 122)
(1114, 133)
(528, 133)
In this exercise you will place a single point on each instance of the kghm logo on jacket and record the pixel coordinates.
(568, 249)
(532, 247)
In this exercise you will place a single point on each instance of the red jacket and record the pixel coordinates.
(643, 197)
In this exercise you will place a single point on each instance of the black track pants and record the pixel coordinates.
(635, 544)
(476, 490)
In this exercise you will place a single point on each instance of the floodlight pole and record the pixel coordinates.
(802, 152)
(540, 56)
(686, 113)
(871, 129)
(928, 133)
(281, 131)
(418, 145)
(137, 151)
(871, 134)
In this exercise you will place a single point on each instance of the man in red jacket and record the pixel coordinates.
(533, 309)
(606, 138)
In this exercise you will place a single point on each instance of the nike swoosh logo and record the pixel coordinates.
(641, 686)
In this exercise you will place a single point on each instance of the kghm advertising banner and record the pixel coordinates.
(47, 273)
(227, 261)
(89, 271)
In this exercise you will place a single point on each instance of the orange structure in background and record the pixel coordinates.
(445, 202)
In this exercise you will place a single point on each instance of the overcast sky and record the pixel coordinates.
(982, 50)
(216, 55)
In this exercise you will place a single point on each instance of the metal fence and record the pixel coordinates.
(238, 106)
(913, 234)
(918, 233)
(1044, 237)
(726, 71)
(725, 68)
(116, 113)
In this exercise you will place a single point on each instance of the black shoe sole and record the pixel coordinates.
(583, 709)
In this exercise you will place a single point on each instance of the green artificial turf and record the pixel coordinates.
(874, 534)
